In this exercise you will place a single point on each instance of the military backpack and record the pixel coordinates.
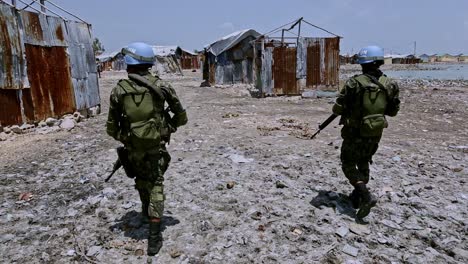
(374, 100)
(143, 111)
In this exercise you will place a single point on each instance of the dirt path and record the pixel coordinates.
(289, 195)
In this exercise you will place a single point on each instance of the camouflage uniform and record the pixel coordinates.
(149, 162)
(357, 150)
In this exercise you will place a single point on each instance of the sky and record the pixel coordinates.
(436, 26)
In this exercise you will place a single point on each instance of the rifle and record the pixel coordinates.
(122, 161)
(324, 124)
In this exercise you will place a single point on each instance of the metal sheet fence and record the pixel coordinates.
(52, 57)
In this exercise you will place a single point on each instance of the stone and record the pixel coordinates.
(51, 121)
(67, 124)
(7, 130)
(6, 238)
(109, 192)
(230, 185)
(72, 212)
(359, 229)
(391, 224)
(175, 253)
(45, 257)
(396, 159)
(280, 185)
(236, 158)
(93, 251)
(94, 111)
(42, 124)
(460, 254)
(71, 252)
(256, 216)
(127, 205)
(3, 136)
(350, 250)
(16, 129)
(342, 231)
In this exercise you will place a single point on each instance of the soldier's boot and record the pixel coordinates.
(355, 198)
(367, 200)
(155, 240)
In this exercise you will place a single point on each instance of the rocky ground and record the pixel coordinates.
(245, 186)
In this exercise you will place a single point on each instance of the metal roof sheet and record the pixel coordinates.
(164, 50)
(230, 41)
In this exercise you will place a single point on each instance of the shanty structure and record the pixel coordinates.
(47, 65)
(166, 60)
(427, 58)
(112, 61)
(230, 59)
(293, 65)
(188, 60)
(445, 57)
(463, 58)
(401, 59)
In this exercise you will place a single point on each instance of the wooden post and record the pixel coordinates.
(299, 32)
(282, 37)
(43, 8)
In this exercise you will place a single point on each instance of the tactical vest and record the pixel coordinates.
(142, 116)
(373, 100)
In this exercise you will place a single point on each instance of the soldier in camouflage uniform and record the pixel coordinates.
(363, 103)
(137, 118)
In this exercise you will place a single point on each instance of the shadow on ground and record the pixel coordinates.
(338, 201)
(136, 226)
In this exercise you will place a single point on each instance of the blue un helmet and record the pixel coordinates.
(370, 54)
(138, 53)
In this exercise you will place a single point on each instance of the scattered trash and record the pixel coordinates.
(359, 229)
(26, 196)
(350, 250)
(94, 250)
(342, 231)
(256, 216)
(230, 185)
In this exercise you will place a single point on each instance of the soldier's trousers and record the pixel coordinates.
(356, 155)
(149, 168)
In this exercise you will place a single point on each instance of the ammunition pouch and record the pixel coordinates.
(373, 125)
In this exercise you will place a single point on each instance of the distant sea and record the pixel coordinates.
(434, 71)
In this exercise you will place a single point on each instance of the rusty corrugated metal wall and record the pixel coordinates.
(47, 63)
(323, 62)
(284, 71)
(314, 63)
(12, 63)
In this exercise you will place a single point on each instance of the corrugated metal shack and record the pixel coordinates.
(112, 61)
(401, 59)
(230, 59)
(293, 65)
(166, 60)
(47, 66)
(188, 60)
